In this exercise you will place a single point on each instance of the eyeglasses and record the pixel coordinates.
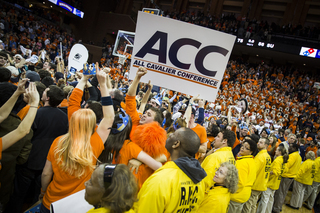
(18, 59)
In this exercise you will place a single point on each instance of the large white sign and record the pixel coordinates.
(183, 57)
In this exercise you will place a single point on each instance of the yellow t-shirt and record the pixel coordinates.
(306, 172)
(277, 168)
(247, 175)
(263, 164)
(217, 200)
(293, 165)
(105, 210)
(169, 190)
(213, 161)
(317, 174)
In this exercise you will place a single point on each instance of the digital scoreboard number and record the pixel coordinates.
(152, 11)
(252, 43)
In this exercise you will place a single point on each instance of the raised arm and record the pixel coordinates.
(145, 98)
(76, 95)
(201, 112)
(131, 105)
(107, 106)
(25, 125)
(133, 87)
(8, 106)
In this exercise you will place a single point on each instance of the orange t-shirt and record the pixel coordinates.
(131, 110)
(293, 128)
(74, 101)
(234, 129)
(202, 133)
(64, 184)
(64, 103)
(128, 151)
(211, 139)
(314, 149)
(23, 112)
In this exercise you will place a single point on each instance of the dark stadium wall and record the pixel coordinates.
(103, 18)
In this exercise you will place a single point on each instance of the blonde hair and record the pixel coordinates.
(310, 155)
(74, 152)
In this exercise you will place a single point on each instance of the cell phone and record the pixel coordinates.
(27, 84)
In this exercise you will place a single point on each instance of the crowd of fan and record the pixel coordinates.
(244, 27)
(21, 28)
(258, 137)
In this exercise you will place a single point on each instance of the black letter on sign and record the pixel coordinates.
(203, 53)
(175, 48)
(147, 48)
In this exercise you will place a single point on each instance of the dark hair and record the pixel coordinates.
(168, 119)
(121, 194)
(214, 130)
(6, 90)
(39, 66)
(117, 95)
(265, 129)
(44, 73)
(53, 66)
(40, 87)
(5, 74)
(246, 102)
(4, 54)
(230, 136)
(253, 145)
(96, 107)
(295, 146)
(254, 137)
(115, 142)
(158, 116)
(55, 95)
(48, 81)
(190, 141)
(284, 154)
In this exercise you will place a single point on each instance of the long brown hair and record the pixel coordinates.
(284, 154)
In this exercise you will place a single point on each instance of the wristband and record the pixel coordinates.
(106, 101)
(42, 192)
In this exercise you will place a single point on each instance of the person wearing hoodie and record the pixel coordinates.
(178, 185)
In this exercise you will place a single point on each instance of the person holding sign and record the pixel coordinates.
(146, 131)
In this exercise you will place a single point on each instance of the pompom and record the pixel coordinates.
(151, 138)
